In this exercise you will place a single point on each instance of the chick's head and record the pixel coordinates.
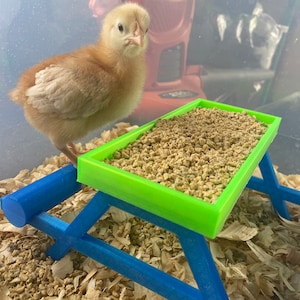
(125, 29)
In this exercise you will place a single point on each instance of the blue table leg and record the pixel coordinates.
(269, 185)
(89, 215)
(202, 265)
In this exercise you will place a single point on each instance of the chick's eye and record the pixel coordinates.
(146, 30)
(120, 27)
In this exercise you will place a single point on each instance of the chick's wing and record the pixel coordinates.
(68, 93)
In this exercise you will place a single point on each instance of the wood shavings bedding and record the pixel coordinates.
(257, 254)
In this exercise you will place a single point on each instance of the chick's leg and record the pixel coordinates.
(73, 148)
(70, 154)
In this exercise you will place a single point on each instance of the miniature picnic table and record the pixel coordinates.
(30, 204)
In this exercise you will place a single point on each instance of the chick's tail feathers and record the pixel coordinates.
(16, 96)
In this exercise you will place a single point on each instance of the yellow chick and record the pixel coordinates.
(69, 95)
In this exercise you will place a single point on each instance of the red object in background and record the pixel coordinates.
(101, 7)
(170, 81)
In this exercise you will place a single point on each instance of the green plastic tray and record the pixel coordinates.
(190, 212)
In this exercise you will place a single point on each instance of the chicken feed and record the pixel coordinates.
(197, 153)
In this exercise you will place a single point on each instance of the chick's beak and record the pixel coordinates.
(138, 37)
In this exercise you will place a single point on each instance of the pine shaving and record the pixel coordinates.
(238, 232)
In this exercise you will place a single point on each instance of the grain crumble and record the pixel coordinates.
(197, 153)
